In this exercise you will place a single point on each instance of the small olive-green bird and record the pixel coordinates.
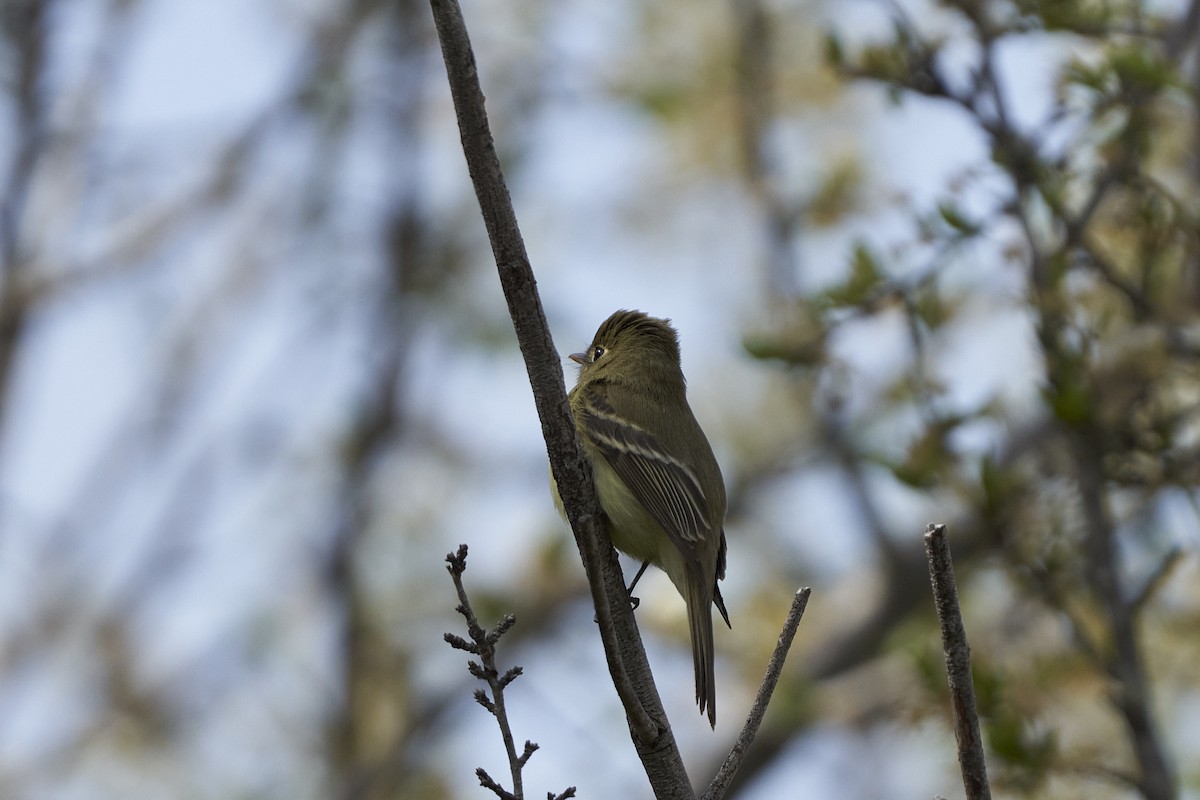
(656, 478)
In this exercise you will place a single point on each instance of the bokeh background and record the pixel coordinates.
(929, 261)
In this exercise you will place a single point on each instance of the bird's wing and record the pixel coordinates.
(666, 487)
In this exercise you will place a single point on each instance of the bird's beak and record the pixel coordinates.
(578, 358)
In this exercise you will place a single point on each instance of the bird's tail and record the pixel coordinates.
(699, 607)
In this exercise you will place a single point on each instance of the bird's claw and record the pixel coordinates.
(634, 602)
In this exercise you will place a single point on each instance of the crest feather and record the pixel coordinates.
(641, 329)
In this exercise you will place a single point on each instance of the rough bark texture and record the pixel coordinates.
(958, 665)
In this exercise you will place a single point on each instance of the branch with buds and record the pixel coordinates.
(483, 643)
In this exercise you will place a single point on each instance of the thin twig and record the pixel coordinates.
(720, 783)
(958, 664)
(483, 644)
(1156, 579)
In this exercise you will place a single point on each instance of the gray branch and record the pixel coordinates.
(958, 665)
(721, 782)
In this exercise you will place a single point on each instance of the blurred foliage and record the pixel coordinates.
(1111, 281)
(838, 193)
(861, 285)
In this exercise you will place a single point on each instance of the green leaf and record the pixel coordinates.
(955, 219)
(865, 277)
(1141, 69)
(838, 193)
(800, 341)
(931, 308)
(1070, 402)
(797, 353)
(928, 457)
(835, 54)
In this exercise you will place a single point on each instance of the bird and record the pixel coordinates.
(655, 474)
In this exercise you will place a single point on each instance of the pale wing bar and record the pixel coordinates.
(665, 486)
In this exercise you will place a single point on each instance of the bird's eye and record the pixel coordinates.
(597, 351)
